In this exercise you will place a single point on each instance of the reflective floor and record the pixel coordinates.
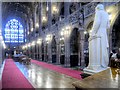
(41, 77)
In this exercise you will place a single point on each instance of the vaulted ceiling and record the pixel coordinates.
(21, 10)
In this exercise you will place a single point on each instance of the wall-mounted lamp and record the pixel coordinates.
(31, 29)
(23, 47)
(28, 33)
(62, 38)
(38, 41)
(44, 19)
(28, 45)
(33, 43)
(37, 25)
(54, 9)
(62, 33)
(90, 31)
(68, 27)
(47, 8)
(48, 38)
(85, 32)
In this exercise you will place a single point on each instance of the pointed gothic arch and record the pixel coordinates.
(74, 47)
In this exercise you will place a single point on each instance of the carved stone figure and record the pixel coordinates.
(98, 41)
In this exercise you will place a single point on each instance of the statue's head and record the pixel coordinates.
(99, 7)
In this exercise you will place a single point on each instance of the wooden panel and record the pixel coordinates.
(105, 79)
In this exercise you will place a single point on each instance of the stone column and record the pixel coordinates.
(82, 63)
(57, 52)
(67, 52)
(79, 50)
(34, 26)
(27, 51)
(33, 52)
(40, 17)
(1, 50)
(27, 29)
(40, 30)
(49, 29)
(34, 20)
(49, 16)
(66, 9)
(45, 53)
(1, 53)
(77, 5)
(40, 51)
(110, 40)
(49, 52)
(67, 44)
(29, 25)
(1, 34)
(28, 35)
(67, 47)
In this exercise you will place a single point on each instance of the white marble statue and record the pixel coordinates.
(98, 41)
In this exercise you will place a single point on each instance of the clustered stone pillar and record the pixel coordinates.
(1, 53)
(45, 51)
(67, 52)
(82, 48)
(66, 9)
(57, 51)
(28, 35)
(49, 29)
(40, 51)
(67, 42)
(1, 47)
(40, 30)
(49, 53)
(34, 29)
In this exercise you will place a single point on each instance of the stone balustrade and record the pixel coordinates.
(89, 9)
(78, 16)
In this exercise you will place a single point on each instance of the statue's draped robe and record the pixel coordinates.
(98, 41)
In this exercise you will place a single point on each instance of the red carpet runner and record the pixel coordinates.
(13, 78)
(66, 71)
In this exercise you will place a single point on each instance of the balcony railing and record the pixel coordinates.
(78, 16)
(89, 9)
(73, 18)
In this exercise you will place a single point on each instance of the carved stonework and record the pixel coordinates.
(89, 8)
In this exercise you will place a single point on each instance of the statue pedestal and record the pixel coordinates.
(98, 56)
(93, 71)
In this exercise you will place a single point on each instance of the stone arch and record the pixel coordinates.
(89, 27)
(53, 49)
(86, 43)
(112, 30)
(88, 21)
(62, 50)
(74, 47)
(115, 32)
(74, 40)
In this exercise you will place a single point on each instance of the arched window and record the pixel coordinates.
(14, 32)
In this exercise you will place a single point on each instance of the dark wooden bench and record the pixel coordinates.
(115, 63)
(25, 59)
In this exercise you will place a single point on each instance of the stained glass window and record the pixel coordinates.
(14, 32)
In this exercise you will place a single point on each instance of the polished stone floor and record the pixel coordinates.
(41, 77)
